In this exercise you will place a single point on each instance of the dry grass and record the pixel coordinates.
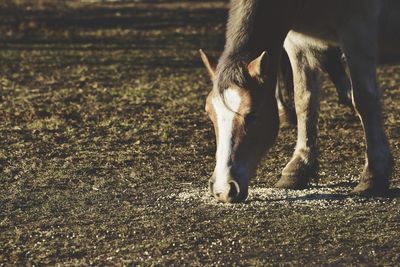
(105, 152)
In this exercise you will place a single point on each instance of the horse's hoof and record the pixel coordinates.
(291, 182)
(375, 183)
(297, 174)
(370, 188)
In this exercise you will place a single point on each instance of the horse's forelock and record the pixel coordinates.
(232, 72)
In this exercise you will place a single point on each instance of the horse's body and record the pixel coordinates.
(363, 29)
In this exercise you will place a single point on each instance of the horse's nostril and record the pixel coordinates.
(234, 190)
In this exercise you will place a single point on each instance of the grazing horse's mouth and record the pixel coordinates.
(228, 193)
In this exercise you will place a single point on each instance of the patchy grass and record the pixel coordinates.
(105, 151)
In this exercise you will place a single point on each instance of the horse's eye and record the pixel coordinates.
(251, 117)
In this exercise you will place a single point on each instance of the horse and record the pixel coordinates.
(242, 104)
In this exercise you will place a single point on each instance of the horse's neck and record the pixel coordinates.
(255, 26)
(241, 24)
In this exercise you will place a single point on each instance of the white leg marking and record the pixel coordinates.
(225, 115)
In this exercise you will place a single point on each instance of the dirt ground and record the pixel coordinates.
(105, 150)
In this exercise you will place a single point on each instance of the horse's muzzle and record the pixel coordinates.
(230, 192)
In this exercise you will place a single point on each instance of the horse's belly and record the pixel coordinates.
(321, 35)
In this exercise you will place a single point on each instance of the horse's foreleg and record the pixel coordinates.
(304, 164)
(361, 55)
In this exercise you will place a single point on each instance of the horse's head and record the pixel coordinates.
(246, 123)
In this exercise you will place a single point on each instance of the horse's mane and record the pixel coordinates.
(240, 27)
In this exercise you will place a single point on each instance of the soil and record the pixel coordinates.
(106, 150)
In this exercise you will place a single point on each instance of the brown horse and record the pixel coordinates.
(243, 106)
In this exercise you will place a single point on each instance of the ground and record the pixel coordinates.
(105, 150)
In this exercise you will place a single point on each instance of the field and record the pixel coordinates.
(106, 150)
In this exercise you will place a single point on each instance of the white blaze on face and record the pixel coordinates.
(224, 118)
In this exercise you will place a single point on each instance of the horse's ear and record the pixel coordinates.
(211, 65)
(258, 65)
